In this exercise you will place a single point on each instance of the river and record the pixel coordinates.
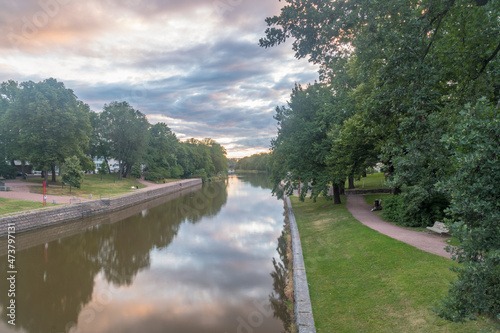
(202, 262)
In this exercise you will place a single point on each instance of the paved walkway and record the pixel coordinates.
(429, 242)
(21, 191)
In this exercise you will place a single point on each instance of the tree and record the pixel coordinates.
(52, 123)
(354, 148)
(302, 146)
(126, 129)
(474, 213)
(10, 149)
(72, 172)
(160, 158)
(259, 162)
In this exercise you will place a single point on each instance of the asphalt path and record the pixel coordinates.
(426, 241)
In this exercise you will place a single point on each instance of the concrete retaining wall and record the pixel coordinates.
(51, 217)
(302, 304)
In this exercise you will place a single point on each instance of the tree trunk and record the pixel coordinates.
(120, 170)
(128, 170)
(351, 182)
(53, 169)
(364, 174)
(45, 175)
(336, 194)
(342, 188)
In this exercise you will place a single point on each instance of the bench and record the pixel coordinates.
(439, 227)
(4, 188)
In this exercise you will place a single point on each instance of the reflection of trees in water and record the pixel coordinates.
(54, 284)
(256, 180)
(279, 299)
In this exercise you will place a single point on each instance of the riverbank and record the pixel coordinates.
(38, 219)
(363, 281)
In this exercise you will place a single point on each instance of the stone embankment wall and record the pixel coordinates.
(302, 304)
(51, 217)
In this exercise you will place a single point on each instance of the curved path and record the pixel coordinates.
(428, 242)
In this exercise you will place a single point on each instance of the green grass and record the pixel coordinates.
(363, 281)
(370, 182)
(11, 205)
(92, 184)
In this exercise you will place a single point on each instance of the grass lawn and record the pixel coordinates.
(12, 205)
(363, 281)
(370, 182)
(92, 184)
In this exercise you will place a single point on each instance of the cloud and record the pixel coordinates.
(194, 64)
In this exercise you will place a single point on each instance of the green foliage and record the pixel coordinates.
(195, 155)
(104, 168)
(157, 174)
(8, 171)
(71, 172)
(259, 162)
(87, 164)
(301, 149)
(127, 131)
(136, 171)
(474, 211)
(414, 207)
(407, 68)
(47, 122)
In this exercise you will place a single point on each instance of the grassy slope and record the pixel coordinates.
(11, 205)
(362, 281)
(92, 184)
(370, 182)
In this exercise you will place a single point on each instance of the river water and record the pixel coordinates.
(202, 262)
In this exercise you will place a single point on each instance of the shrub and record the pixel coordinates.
(416, 207)
(157, 174)
(8, 171)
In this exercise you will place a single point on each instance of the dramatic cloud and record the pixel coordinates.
(195, 65)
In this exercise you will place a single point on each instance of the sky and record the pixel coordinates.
(193, 64)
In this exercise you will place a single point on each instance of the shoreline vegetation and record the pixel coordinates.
(363, 281)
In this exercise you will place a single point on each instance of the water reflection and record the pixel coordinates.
(280, 301)
(200, 263)
(256, 180)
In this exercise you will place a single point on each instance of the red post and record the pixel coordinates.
(299, 186)
(44, 193)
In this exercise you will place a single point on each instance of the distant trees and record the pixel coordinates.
(44, 123)
(258, 162)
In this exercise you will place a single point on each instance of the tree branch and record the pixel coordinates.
(487, 61)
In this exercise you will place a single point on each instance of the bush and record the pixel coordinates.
(8, 171)
(200, 173)
(415, 207)
(136, 171)
(176, 171)
(157, 174)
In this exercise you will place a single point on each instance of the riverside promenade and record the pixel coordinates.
(426, 241)
(41, 218)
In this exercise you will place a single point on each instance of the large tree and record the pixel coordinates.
(126, 129)
(161, 161)
(302, 146)
(49, 122)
